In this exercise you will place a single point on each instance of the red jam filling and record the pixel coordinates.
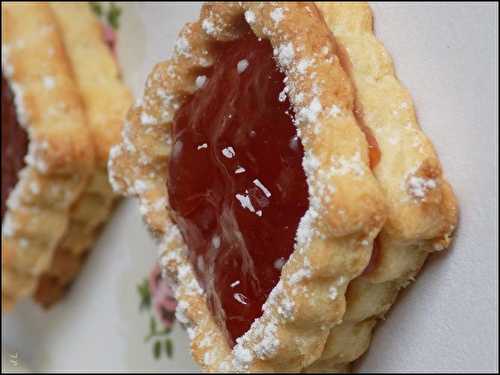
(236, 182)
(375, 257)
(374, 153)
(14, 144)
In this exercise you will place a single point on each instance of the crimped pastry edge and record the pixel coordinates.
(419, 221)
(106, 100)
(58, 159)
(88, 214)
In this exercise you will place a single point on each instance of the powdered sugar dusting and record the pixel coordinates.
(245, 201)
(202, 146)
(208, 26)
(208, 358)
(22, 114)
(8, 226)
(242, 65)
(182, 47)
(343, 166)
(114, 153)
(306, 229)
(140, 186)
(147, 119)
(261, 186)
(250, 16)
(6, 50)
(228, 152)
(278, 263)
(263, 333)
(49, 82)
(277, 15)
(286, 307)
(200, 81)
(303, 65)
(299, 275)
(242, 355)
(33, 158)
(180, 312)
(284, 54)
(418, 187)
(268, 344)
(282, 94)
(334, 111)
(311, 112)
(332, 292)
(159, 204)
(34, 188)
(169, 246)
(279, 299)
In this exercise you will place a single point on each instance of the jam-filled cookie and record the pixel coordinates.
(251, 167)
(63, 101)
(47, 154)
(422, 208)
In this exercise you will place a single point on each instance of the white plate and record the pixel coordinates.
(447, 55)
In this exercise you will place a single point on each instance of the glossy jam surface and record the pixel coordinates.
(14, 144)
(236, 182)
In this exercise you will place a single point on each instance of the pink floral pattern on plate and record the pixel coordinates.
(162, 298)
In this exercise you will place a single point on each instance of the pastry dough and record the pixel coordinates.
(422, 206)
(88, 214)
(60, 156)
(335, 235)
(103, 92)
(103, 101)
(106, 101)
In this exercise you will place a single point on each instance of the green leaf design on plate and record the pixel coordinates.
(114, 14)
(160, 334)
(169, 348)
(157, 349)
(96, 8)
(152, 326)
(144, 294)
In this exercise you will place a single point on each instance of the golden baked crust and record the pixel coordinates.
(334, 239)
(422, 206)
(106, 100)
(88, 214)
(105, 96)
(47, 100)
(60, 155)
(76, 38)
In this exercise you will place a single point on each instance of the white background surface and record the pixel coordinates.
(447, 55)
